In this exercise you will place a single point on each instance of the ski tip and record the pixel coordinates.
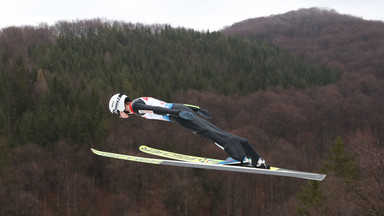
(94, 151)
(322, 177)
(317, 177)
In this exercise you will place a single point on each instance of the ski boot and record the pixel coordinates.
(261, 164)
(231, 161)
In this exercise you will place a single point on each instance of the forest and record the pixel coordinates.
(305, 87)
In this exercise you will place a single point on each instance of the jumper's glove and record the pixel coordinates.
(186, 115)
(200, 111)
(204, 113)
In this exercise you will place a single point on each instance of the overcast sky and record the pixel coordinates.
(200, 15)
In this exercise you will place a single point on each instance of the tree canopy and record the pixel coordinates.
(59, 83)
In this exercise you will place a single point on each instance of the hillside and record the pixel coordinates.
(298, 111)
(355, 46)
(347, 42)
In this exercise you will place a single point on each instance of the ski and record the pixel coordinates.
(178, 156)
(182, 157)
(200, 165)
(190, 158)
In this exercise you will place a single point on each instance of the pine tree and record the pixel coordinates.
(310, 196)
(340, 162)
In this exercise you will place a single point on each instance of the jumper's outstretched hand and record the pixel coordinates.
(123, 115)
(204, 113)
(186, 115)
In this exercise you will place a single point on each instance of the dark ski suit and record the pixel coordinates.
(236, 147)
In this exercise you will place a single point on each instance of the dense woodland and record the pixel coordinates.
(305, 87)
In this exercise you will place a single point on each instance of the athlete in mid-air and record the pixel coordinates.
(240, 150)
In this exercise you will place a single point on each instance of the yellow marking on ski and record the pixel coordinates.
(126, 157)
(177, 156)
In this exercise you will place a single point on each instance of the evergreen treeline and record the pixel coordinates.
(162, 59)
(56, 86)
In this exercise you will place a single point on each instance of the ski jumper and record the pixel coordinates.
(151, 108)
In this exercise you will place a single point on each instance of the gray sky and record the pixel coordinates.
(200, 15)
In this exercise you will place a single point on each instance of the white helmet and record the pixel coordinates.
(117, 103)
